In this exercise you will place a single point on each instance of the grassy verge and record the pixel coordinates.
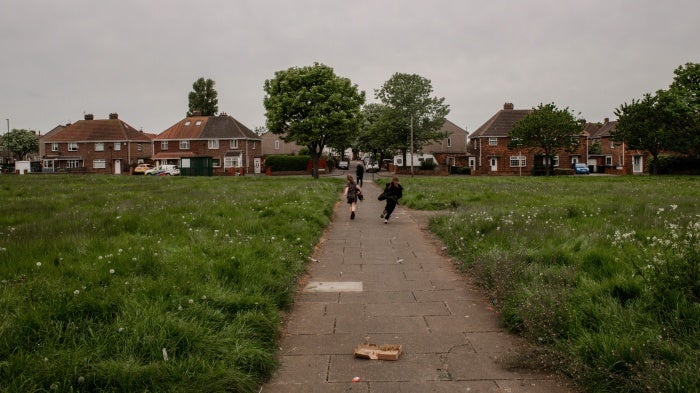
(601, 273)
(150, 284)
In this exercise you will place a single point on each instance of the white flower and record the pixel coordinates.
(121, 329)
(190, 301)
(38, 264)
(204, 297)
(76, 292)
(111, 271)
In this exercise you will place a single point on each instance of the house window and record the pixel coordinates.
(234, 143)
(99, 164)
(54, 147)
(72, 164)
(163, 145)
(184, 145)
(99, 146)
(187, 123)
(518, 161)
(216, 162)
(139, 147)
(546, 161)
(253, 147)
(277, 145)
(213, 144)
(612, 144)
(232, 162)
(449, 142)
(72, 146)
(608, 160)
(117, 146)
(493, 141)
(198, 122)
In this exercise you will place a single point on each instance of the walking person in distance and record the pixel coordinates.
(392, 193)
(351, 192)
(359, 173)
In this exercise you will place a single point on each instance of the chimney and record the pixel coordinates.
(606, 120)
(89, 116)
(196, 113)
(508, 106)
(113, 116)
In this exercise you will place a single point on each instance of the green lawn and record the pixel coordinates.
(601, 273)
(169, 284)
(176, 284)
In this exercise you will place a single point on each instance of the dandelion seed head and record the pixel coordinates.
(38, 264)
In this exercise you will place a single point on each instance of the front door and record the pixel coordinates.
(257, 164)
(494, 164)
(117, 167)
(637, 164)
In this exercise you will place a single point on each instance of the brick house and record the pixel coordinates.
(95, 146)
(452, 149)
(489, 153)
(229, 144)
(612, 157)
(274, 144)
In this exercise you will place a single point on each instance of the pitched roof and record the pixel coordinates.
(604, 130)
(208, 127)
(501, 123)
(104, 130)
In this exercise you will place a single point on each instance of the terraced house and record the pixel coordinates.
(489, 153)
(95, 146)
(209, 145)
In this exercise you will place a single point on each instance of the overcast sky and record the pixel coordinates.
(139, 58)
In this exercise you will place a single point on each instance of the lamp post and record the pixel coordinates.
(4, 142)
(411, 144)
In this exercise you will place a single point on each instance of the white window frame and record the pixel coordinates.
(99, 146)
(117, 146)
(163, 145)
(449, 142)
(608, 160)
(213, 144)
(73, 164)
(232, 161)
(99, 163)
(518, 161)
(234, 144)
(216, 162)
(54, 147)
(139, 147)
(277, 144)
(493, 141)
(72, 146)
(545, 160)
(184, 145)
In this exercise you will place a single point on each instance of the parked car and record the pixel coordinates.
(163, 170)
(142, 168)
(581, 169)
(372, 166)
(343, 164)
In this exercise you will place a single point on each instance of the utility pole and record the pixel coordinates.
(411, 144)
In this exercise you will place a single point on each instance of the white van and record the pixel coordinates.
(417, 159)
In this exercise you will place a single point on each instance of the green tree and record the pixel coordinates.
(416, 116)
(547, 129)
(313, 107)
(203, 98)
(654, 124)
(686, 84)
(374, 135)
(20, 142)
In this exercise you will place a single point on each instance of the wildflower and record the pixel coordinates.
(76, 292)
(190, 301)
(111, 271)
(121, 329)
(204, 297)
(38, 264)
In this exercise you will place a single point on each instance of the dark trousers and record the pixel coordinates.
(359, 180)
(389, 208)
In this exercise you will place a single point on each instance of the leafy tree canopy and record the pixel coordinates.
(656, 123)
(203, 98)
(409, 105)
(313, 107)
(547, 129)
(21, 142)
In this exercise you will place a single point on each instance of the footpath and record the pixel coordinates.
(370, 282)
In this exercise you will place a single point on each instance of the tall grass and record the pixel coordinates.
(150, 284)
(601, 273)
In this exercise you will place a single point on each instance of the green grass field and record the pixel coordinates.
(176, 284)
(601, 273)
(136, 284)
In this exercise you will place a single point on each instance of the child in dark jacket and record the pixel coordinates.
(392, 193)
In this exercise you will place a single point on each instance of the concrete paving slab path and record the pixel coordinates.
(371, 282)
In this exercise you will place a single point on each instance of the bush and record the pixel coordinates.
(280, 163)
(428, 165)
